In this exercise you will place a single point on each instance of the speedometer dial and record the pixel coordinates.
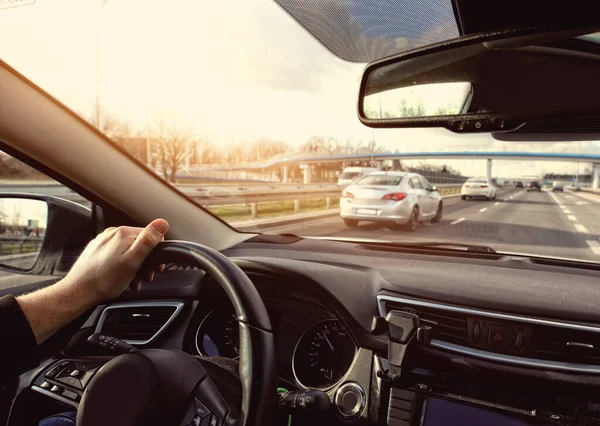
(323, 355)
(219, 334)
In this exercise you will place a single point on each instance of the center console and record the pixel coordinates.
(421, 385)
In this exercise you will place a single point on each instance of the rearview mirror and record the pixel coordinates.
(22, 229)
(489, 83)
(42, 235)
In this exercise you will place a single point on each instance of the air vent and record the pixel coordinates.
(137, 323)
(448, 326)
(521, 340)
(564, 345)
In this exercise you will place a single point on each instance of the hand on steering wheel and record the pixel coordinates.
(170, 387)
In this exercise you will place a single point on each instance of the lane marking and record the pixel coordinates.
(457, 221)
(572, 218)
(567, 211)
(582, 203)
(581, 228)
(555, 199)
(594, 245)
(483, 209)
(563, 207)
(496, 204)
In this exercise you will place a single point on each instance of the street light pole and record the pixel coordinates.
(97, 116)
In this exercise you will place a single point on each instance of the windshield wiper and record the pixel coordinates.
(435, 244)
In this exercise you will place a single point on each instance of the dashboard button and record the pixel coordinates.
(70, 381)
(497, 337)
(519, 341)
(476, 332)
(71, 395)
(75, 373)
(45, 385)
(54, 371)
(350, 400)
(201, 409)
(56, 389)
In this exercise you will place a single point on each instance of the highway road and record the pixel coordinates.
(541, 223)
(547, 224)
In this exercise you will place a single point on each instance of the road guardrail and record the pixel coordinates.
(227, 194)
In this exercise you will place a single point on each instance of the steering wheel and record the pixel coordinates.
(171, 387)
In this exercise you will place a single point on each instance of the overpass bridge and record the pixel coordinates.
(306, 160)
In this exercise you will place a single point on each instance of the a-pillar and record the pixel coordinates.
(596, 176)
(489, 169)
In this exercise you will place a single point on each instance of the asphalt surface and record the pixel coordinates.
(542, 223)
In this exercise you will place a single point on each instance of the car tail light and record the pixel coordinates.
(483, 186)
(395, 196)
(346, 194)
(467, 186)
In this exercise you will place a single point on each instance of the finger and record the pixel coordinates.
(146, 240)
(150, 276)
(136, 285)
(160, 268)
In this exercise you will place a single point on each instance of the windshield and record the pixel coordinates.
(238, 100)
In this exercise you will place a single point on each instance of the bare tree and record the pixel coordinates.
(172, 140)
(112, 126)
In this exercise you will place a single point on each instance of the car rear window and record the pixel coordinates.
(477, 181)
(350, 175)
(385, 180)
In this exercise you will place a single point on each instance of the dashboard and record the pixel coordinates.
(314, 348)
(506, 337)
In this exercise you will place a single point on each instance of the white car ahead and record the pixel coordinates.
(478, 188)
(396, 198)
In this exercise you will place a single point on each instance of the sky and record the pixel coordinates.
(16, 211)
(234, 71)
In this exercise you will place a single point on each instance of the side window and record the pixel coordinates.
(416, 183)
(424, 182)
(409, 183)
(23, 222)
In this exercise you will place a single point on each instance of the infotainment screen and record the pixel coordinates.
(441, 412)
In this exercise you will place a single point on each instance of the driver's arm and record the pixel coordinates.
(106, 267)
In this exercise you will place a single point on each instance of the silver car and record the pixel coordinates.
(396, 198)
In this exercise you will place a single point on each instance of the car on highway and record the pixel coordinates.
(232, 120)
(398, 199)
(534, 185)
(519, 184)
(558, 186)
(352, 174)
(478, 188)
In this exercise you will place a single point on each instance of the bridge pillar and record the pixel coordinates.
(596, 176)
(284, 174)
(306, 171)
(489, 169)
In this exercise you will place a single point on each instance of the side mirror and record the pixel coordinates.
(41, 235)
(434, 188)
